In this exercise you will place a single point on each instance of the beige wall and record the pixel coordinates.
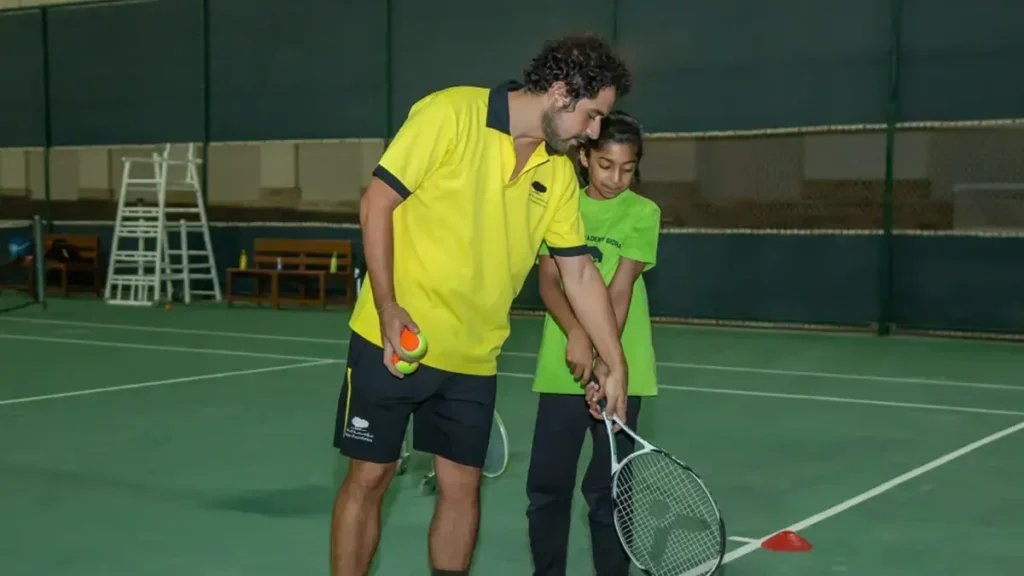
(323, 176)
(330, 176)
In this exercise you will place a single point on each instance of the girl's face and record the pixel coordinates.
(611, 168)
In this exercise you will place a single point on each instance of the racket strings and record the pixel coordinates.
(666, 516)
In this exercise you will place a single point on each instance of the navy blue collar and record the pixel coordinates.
(497, 110)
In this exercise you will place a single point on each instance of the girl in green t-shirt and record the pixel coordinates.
(622, 236)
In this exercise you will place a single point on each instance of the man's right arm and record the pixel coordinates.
(554, 297)
(420, 145)
(375, 218)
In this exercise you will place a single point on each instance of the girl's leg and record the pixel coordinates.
(562, 421)
(610, 558)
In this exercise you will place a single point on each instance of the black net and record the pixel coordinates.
(20, 272)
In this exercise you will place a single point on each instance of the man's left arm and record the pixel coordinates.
(582, 282)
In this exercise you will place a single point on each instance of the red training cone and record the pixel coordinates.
(786, 541)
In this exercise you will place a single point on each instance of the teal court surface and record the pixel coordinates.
(198, 441)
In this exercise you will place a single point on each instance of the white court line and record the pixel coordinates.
(681, 365)
(844, 376)
(743, 539)
(173, 330)
(877, 490)
(530, 376)
(822, 375)
(162, 382)
(164, 348)
(846, 400)
(523, 375)
(838, 399)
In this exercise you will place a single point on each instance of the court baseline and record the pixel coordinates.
(838, 399)
(313, 360)
(681, 365)
(212, 376)
(159, 347)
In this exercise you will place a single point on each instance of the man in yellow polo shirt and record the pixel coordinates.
(452, 221)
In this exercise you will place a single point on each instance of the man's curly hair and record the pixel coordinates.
(585, 63)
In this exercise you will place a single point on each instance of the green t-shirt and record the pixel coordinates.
(626, 226)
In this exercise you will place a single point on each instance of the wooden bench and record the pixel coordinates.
(274, 260)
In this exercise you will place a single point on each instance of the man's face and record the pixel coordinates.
(566, 126)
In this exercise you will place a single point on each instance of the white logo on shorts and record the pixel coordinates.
(357, 429)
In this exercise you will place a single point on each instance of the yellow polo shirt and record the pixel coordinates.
(466, 234)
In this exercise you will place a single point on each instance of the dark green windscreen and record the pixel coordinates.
(126, 72)
(751, 64)
(466, 42)
(298, 69)
(22, 103)
(962, 60)
(133, 71)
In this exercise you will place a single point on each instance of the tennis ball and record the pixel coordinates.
(413, 344)
(402, 366)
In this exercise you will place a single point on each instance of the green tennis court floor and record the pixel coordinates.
(198, 441)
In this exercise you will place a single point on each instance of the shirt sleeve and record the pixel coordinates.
(641, 244)
(422, 143)
(565, 236)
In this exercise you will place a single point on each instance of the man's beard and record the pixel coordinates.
(550, 128)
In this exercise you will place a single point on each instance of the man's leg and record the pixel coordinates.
(562, 423)
(373, 412)
(455, 426)
(610, 558)
(355, 526)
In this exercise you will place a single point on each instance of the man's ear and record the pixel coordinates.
(558, 96)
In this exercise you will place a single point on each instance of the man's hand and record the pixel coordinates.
(579, 356)
(592, 306)
(393, 318)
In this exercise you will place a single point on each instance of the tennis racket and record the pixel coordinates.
(665, 516)
(495, 462)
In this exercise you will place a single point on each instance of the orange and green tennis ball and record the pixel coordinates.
(415, 345)
(402, 366)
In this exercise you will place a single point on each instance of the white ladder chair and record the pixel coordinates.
(144, 264)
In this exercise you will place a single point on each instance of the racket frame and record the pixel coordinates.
(648, 448)
(504, 442)
(428, 483)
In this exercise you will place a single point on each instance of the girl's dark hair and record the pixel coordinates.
(617, 127)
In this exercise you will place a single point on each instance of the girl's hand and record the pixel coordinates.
(579, 356)
(592, 395)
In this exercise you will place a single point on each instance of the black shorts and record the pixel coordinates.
(452, 412)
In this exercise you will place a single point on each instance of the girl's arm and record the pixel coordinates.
(639, 253)
(621, 288)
